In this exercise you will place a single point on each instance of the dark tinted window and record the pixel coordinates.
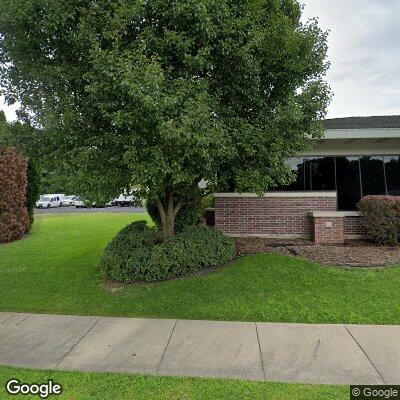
(348, 182)
(297, 166)
(321, 173)
(372, 175)
(392, 170)
(355, 176)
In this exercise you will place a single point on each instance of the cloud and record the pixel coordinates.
(364, 50)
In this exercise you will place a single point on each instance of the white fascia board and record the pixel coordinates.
(386, 133)
(353, 147)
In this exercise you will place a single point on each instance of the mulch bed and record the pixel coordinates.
(354, 253)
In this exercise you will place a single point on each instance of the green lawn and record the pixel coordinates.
(55, 270)
(86, 386)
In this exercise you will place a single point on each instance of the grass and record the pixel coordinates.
(55, 270)
(86, 386)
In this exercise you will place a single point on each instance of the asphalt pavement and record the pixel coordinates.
(74, 210)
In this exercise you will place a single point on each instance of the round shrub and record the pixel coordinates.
(381, 217)
(135, 254)
(133, 227)
(189, 214)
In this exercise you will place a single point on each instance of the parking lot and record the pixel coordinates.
(72, 210)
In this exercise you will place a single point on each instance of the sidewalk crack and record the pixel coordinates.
(76, 344)
(366, 355)
(259, 348)
(7, 318)
(166, 347)
(22, 320)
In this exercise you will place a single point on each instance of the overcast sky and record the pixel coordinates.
(364, 50)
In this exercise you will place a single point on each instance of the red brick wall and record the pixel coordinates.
(271, 216)
(328, 230)
(353, 227)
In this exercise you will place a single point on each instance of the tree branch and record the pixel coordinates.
(160, 208)
(170, 199)
(177, 207)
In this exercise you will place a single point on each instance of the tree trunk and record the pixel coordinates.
(168, 210)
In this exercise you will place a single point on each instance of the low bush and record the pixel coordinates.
(136, 255)
(381, 216)
(134, 227)
(189, 214)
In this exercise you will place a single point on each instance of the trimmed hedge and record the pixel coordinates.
(14, 218)
(381, 216)
(136, 255)
(189, 214)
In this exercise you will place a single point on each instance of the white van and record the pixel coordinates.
(50, 200)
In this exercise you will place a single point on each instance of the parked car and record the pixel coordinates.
(78, 202)
(123, 201)
(50, 200)
(68, 200)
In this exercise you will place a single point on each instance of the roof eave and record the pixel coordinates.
(370, 133)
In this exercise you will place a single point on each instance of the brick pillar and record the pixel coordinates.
(327, 227)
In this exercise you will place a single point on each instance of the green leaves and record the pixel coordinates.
(157, 94)
(135, 255)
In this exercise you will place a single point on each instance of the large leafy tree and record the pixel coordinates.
(159, 94)
(3, 127)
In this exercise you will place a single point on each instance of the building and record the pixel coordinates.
(358, 156)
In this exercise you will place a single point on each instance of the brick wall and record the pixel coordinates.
(274, 215)
(353, 227)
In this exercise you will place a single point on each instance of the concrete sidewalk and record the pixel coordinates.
(336, 354)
